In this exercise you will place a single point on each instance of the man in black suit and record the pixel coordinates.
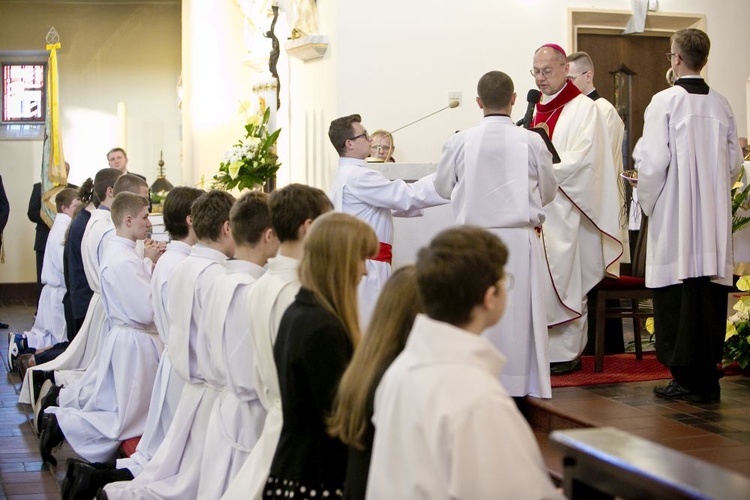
(4, 213)
(42, 231)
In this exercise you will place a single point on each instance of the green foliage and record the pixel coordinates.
(252, 161)
(740, 200)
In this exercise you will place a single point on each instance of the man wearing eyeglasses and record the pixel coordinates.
(365, 193)
(581, 231)
(582, 76)
(687, 161)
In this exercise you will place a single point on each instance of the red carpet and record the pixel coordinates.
(618, 369)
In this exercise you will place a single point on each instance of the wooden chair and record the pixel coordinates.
(627, 291)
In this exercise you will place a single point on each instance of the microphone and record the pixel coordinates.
(454, 103)
(532, 97)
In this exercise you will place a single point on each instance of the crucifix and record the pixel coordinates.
(273, 57)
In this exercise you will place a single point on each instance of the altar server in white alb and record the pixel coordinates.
(174, 470)
(687, 160)
(167, 386)
(99, 230)
(49, 324)
(70, 365)
(129, 355)
(366, 194)
(581, 230)
(293, 210)
(444, 426)
(238, 416)
(499, 176)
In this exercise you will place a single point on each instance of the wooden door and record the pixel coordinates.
(644, 55)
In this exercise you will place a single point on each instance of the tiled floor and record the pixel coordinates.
(718, 433)
(715, 432)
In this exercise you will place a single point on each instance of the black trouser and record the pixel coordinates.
(690, 321)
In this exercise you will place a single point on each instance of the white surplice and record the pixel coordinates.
(581, 232)
(126, 364)
(238, 416)
(499, 177)
(167, 386)
(266, 303)
(70, 366)
(173, 471)
(446, 428)
(684, 191)
(49, 324)
(366, 194)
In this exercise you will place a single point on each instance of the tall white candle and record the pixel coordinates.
(747, 107)
(122, 126)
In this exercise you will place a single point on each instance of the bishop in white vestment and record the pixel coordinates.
(581, 230)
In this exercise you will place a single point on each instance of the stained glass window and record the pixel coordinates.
(23, 93)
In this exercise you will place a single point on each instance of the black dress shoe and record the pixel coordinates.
(47, 399)
(51, 437)
(73, 467)
(676, 391)
(90, 480)
(4, 325)
(563, 367)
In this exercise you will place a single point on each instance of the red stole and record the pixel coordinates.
(549, 113)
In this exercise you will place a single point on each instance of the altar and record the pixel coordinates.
(412, 233)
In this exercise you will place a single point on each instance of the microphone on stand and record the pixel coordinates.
(532, 97)
(452, 104)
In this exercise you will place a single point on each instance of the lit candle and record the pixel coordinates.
(122, 126)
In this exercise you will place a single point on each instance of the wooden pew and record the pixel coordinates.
(604, 463)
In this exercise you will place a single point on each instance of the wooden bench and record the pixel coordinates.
(604, 463)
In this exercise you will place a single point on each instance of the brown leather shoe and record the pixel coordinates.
(23, 362)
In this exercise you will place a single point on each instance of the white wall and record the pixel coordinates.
(123, 52)
(395, 61)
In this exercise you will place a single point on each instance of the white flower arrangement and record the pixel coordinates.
(252, 161)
